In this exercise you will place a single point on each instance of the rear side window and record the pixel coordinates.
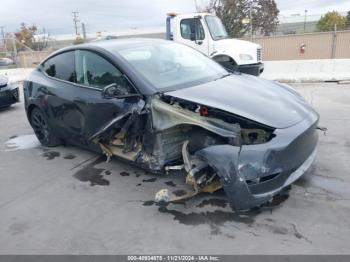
(95, 71)
(61, 66)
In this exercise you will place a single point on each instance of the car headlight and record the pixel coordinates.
(245, 57)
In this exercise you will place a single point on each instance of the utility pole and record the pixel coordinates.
(76, 20)
(251, 21)
(2, 33)
(3, 38)
(334, 41)
(196, 5)
(14, 49)
(305, 21)
(84, 31)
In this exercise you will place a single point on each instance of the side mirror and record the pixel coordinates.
(109, 91)
(117, 91)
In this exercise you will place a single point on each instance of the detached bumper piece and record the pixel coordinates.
(8, 96)
(252, 69)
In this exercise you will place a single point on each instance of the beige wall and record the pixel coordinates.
(318, 46)
(343, 45)
(27, 59)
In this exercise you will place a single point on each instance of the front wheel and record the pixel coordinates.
(42, 129)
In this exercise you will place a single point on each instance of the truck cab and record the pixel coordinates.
(206, 33)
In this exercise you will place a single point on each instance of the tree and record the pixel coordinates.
(348, 20)
(231, 13)
(30, 37)
(264, 15)
(25, 35)
(329, 20)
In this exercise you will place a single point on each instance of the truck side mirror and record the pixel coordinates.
(193, 36)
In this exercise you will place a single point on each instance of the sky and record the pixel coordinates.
(126, 15)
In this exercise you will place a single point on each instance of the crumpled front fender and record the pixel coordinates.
(224, 160)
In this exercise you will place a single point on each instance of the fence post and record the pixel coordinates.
(334, 41)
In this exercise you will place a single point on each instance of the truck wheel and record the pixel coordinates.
(42, 129)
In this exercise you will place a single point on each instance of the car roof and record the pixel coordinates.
(115, 44)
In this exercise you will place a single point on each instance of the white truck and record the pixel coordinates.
(206, 33)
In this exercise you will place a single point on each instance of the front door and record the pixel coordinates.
(93, 73)
(192, 33)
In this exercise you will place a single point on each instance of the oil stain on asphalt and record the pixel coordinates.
(124, 174)
(92, 174)
(69, 156)
(213, 202)
(170, 183)
(217, 217)
(137, 173)
(51, 155)
(150, 180)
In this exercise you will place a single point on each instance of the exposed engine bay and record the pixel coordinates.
(165, 133)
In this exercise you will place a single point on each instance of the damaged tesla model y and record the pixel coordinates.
(164, 106)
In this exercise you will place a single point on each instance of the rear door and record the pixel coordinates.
(56, 90)
(72, 94)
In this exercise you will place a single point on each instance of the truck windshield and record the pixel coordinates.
(216, 28)
(170, 66)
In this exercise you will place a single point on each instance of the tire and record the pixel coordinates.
(42, 129)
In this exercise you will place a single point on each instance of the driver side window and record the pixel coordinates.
(190, 26)
(94, 71)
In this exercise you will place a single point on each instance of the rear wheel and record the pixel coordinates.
(42, 129)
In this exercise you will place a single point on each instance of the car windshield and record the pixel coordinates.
(216, 28)
(169, 66)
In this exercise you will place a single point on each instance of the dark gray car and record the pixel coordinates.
(9, 93)
(164, 106)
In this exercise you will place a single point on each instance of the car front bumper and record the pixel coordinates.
(252, 69)
(252, 174)
(8, 96)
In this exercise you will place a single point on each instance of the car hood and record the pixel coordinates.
(3, 80)
(262, 101)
